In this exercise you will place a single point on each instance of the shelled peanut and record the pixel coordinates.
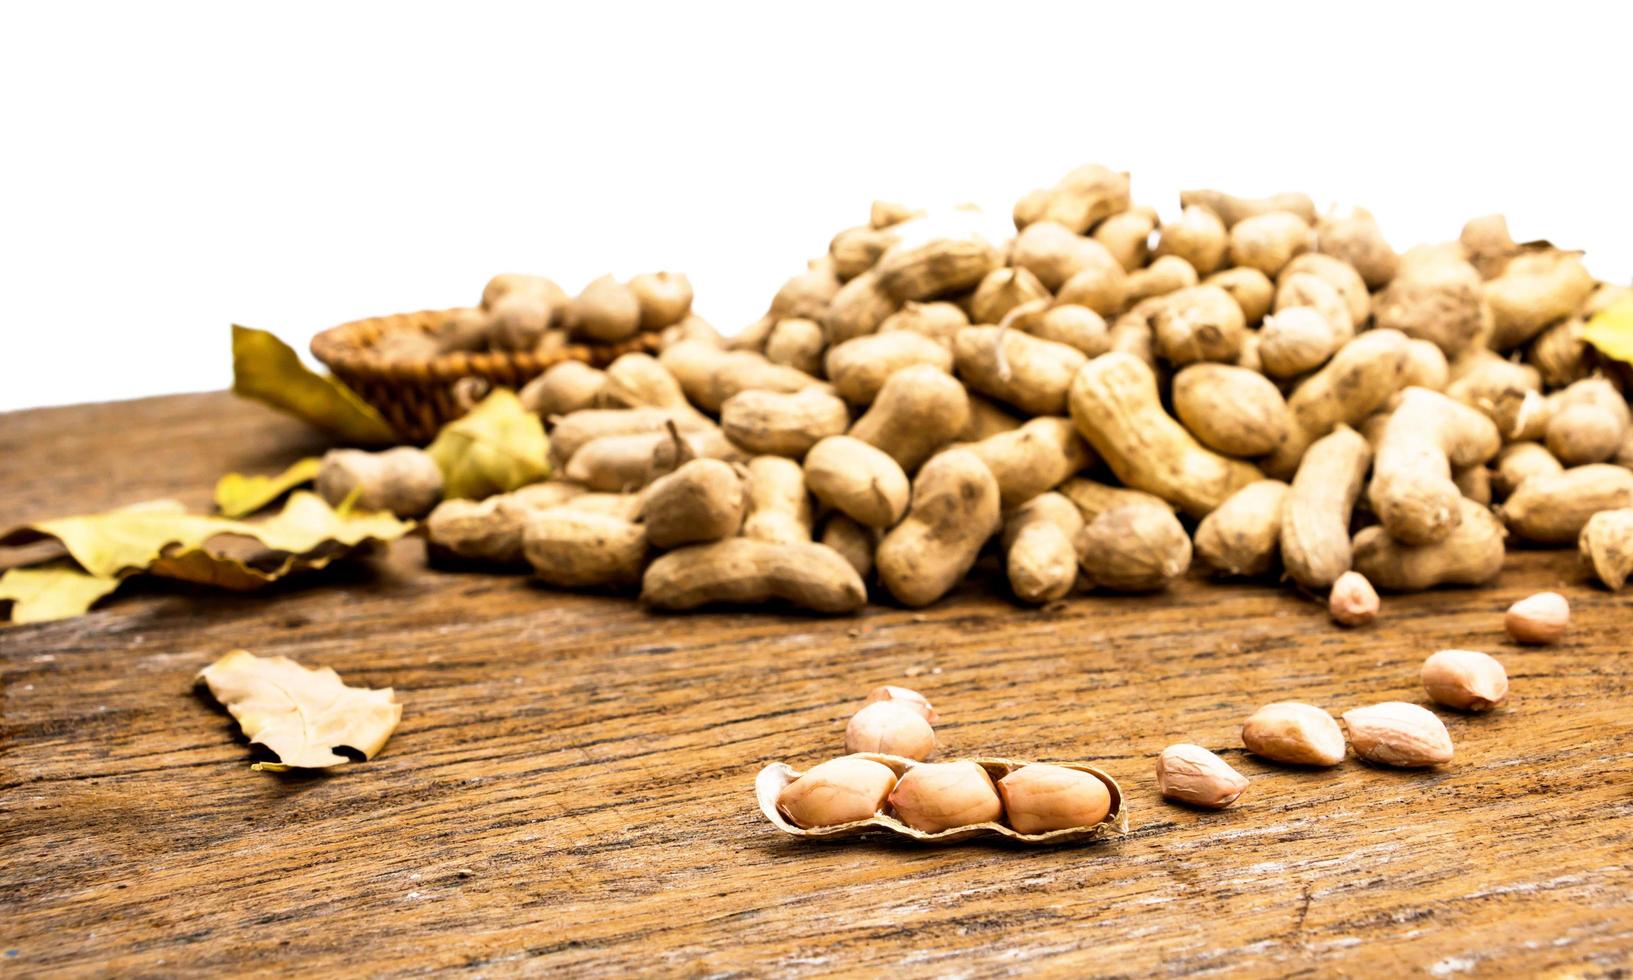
(1312, 402)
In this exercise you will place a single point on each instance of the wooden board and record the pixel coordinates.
(571, 787)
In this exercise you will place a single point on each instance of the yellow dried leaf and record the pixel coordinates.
(54, 591)
(122, 541)
(237, 495)
(497, 447)
(266, 369)
(1611, 331)
(161, 539)
(303, 716)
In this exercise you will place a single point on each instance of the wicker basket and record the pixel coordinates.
(419, 397)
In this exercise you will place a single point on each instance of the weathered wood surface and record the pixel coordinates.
(571, 787)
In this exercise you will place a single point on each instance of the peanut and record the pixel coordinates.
(779, 511)
(1356, 239)
(742, 571)
(797, 343)
(640, 381)
(405, 480)
(664, 298)
(1030, 373)
(1518, 462)
(1192, 775)
(1294, 733)
(576, 549)
(1587, 423)
(1358, 380)
(1093, 498)
(906, 696)
(782, 424)
(858, 480)
(1439, 301)
(858, 308)
(1231, 410)
(1199, 323)
(938, 267)
(1395, 733)
(1075, 326)
(1126, 235)
(1040, 550)
(1535, 289)
(917, 411)
(1168, 274)
(1338, 274)
(1471, 555)
(1269, 241)
(838, 791)
(945, 795)
(858, 368)
(1032, 459)
(1426, 366)
(1133, 549)
(620, 463)
(1487, 244)
(1296, 289)
(702, 500)
(938, 321)
(1080, 200)
(1539, 619)
(1251, 289)
(1038, 798)
(1315, 541)
(1115, 405)
(1412, 490)
(1465, 679)
(1001, 290)
(1053, 254)
(575, 430)
(1353, 601)
(1198, 237)
(1104, 288)
(1560, 353)
(1294, 341)
(854, 542)
(891, 728)
(1554, 509)
(1232, 209)
(606, 311)
(883, 214)
(954, 510)
(1242, 535)
(1606, 544)
(806, 295)
(855, 250)
(563, 388)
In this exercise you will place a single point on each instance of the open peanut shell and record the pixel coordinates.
(769, 784)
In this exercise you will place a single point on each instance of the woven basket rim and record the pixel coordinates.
(344, 349)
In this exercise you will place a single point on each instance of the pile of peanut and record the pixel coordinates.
(1096, 399)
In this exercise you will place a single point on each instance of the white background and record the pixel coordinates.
(166, 169)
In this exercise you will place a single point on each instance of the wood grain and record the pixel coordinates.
(571, 787)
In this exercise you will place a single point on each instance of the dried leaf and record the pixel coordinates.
(125, 540)
(54, 591)
(498, 447)
(237, 495)
(302, 716)
(1611, 331)
(266, 369)
(161, 539)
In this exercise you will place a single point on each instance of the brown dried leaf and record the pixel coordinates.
(303, 716)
